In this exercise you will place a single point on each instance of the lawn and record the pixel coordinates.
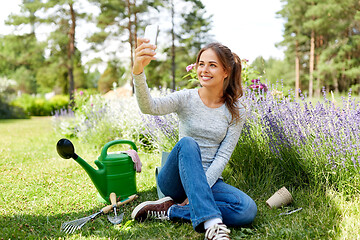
(40, 191)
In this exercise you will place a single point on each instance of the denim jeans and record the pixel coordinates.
(183, 176)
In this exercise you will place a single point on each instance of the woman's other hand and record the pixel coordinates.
(144, 53)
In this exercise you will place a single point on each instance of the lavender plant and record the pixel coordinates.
(298, 142)
(97, 120)
(162, 132)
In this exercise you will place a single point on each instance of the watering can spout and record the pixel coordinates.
(98, 177)
(66, 150)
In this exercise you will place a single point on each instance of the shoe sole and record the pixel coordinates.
(141, 205)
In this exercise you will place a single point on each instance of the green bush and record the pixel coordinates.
(59, 102)
(39, 106)
(8, 111)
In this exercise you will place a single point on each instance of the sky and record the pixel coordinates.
(248, 28)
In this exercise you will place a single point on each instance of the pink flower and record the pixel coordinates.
(81, 93)
(190, 67)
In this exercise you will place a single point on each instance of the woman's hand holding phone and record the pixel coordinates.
(144, 53)
(145, 50)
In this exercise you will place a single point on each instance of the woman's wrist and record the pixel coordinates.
(137, 70)
(137, 74)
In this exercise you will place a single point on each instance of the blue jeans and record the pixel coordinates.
(183, 176)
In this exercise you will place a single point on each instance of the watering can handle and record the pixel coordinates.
(109, 144)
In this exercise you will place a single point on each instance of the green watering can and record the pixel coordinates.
(116, 171)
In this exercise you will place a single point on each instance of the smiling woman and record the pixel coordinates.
(210, 123)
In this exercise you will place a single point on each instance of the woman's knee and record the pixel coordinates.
(189, 144)
(251, 212)
(188, 141)
(246, 215)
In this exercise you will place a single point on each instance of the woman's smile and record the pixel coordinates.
(206, 78)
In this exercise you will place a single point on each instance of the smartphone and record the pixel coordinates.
(151, 32)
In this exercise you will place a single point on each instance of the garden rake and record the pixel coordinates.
(72, 226)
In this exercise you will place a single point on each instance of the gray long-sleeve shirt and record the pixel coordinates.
(211, 128)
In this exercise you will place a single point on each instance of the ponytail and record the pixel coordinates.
(233, 88)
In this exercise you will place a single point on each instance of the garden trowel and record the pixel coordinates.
(116, 219)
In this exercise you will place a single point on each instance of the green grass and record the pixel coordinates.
(40, 191)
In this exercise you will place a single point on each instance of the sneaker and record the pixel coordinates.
(153, 209)
(217, 232)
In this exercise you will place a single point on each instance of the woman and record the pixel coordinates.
(210, 123)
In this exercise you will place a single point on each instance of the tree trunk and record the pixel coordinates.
(311, 67)
(173, 66)
(335, 82)
(297, 70)
(318, 79)
(71, 51)
(131, 41)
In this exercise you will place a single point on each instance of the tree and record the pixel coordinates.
(339, 60)
(112, 74)
(62, 40)
(190, 31)
(119, 22)
(323, 38)
(295, 36)
(62, 16)
(21, 55)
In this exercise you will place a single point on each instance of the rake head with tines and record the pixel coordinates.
(72, 226)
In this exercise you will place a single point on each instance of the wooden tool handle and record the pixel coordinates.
(108, 208)
(129, 199)
(113, 198)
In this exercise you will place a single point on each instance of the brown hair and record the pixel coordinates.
(232, 84)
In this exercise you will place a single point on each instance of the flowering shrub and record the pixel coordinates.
(299, 142)
(258, 86)
(248, 72)
(161, 131)
(97, 120)
(191, 73)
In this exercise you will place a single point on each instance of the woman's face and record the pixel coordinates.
(210, 71)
